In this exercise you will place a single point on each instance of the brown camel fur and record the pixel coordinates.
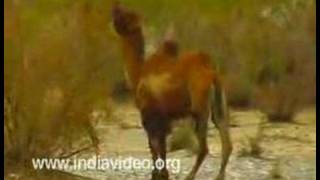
(169, 85)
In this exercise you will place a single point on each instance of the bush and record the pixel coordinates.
(286, 80)
(55, 75)
(240, 90)
(253, 145)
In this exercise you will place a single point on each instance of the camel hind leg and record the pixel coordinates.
(226, 146)
(200, 115)
(220, 118)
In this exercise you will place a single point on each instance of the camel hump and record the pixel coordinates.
(195, 59)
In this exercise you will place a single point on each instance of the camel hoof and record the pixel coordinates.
(190, 177)
(159, 176)
(220, 177)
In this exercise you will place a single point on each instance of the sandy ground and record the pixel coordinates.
(292, 146)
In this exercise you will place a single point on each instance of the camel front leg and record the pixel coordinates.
(157, 146)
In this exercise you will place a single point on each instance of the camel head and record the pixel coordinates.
(125, 21)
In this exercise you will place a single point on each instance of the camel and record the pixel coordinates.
(170, 85)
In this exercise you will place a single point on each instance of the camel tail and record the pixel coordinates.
(219, 107)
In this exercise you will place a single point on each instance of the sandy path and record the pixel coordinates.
(292, 145)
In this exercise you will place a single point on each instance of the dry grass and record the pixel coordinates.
(183, 137)
(252, 146)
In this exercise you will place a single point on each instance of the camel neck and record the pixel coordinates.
(133, 50)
